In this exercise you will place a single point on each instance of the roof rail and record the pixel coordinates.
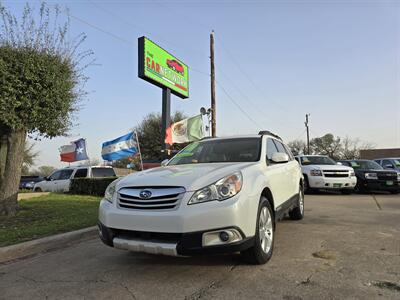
(264, 132)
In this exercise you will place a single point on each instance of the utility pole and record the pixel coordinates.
(166, 119)
(308, 134)
(213, 105)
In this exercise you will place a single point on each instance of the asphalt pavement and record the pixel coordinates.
(346, 247)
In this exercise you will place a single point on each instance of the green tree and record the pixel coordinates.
(351, 148)
(297, 147)
(327, 145)
(29, 157)
(44, 171)
(41, 84)
(149, 135)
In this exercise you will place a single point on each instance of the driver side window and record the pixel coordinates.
(55, 175)
(271, 149)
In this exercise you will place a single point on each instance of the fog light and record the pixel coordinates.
(221, 237)
(224, 236)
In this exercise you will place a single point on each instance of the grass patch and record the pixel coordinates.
(47, 215)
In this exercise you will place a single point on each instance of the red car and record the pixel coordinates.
(174, 65)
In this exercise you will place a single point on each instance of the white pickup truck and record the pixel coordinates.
(322, 172)
(216, 195)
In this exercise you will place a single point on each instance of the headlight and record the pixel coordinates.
(315, 173)
(398, 176)
(352, 173)
(371, 176)
(110, 190)
(223, 189)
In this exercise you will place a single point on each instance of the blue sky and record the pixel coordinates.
(278, 60)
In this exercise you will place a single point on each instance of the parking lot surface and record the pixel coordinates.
(345, 247)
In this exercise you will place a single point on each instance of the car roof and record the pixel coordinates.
(230, 137)
(81, 167)
(300, 155)
(386, 158)
(355, 159)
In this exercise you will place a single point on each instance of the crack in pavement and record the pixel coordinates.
(200, 293)
(376, 202)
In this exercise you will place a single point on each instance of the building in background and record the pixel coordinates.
(379, 153)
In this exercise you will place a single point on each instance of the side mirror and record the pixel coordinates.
(388, 166)
(47, 178)
(280, 157)
(164, 162)
(339, 163)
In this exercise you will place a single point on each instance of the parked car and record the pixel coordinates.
(215, 196)
(322, 172)
(389, 163)
(372, 177)
(27, 182)
(59, 180)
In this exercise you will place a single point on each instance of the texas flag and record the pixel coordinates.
(75, 151)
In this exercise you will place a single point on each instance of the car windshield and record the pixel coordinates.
(365, 165)
(397, 162)
(316, 160)
(218, 151)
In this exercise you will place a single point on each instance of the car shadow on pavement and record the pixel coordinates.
(198, 260)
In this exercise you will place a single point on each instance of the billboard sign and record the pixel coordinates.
(161, 68)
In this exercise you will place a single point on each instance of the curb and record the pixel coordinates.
(45, 244)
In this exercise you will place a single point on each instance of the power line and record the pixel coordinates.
(238, 106)
(98, 28)
(193, 69)
(123, 20)
(246, 75)
(258, 108)
(130, 43)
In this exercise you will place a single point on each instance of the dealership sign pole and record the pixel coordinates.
(164, 70)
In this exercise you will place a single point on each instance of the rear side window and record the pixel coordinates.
(65, 174)
(81, 173)
(386, 163)
(271, 149)
(103, 172)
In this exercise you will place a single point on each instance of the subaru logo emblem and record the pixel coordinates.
(145, 194)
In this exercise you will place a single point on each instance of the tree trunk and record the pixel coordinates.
(11, 157)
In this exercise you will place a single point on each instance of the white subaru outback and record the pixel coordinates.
(215, 196)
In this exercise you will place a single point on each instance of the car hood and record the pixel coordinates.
(328, 167)
(191, 176)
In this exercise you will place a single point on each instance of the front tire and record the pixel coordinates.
(39, 190)
(297, 213)
(307, 189)
(263, 247)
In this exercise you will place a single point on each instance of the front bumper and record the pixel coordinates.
(162, 231)
(185, 244)
(380, 185)
(335, 183)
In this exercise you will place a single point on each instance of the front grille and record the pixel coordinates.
(160, 198)
(336, 173)
(387, 176)
(148, 236)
